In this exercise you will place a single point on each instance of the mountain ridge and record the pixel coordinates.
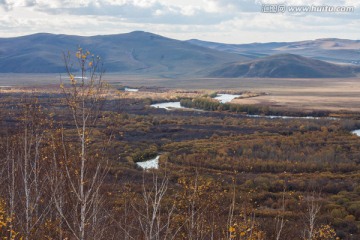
(133, 52)
(145, 53)
(285, 66)
(327, 49)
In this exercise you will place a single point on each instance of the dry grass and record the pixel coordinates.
(301, 94)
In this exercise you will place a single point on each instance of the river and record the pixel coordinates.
(149, 164)
(131, 89)
(167, 105)
(225, 98)
(356, 132)
(176, 105)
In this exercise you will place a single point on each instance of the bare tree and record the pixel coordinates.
(196, 203)
(230, 220)
(8, 181)
(25, 191)
(279, 219)
(83, 173)
(30, 167)
(312, 210)
(150, 211)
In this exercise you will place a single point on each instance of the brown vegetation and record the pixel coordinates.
(68, 169)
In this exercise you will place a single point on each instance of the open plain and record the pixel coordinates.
(332, 94)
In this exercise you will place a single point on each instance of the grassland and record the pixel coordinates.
(332, 94)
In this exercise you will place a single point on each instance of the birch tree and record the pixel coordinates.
(83, 169)
(24, 187)
(312, 211)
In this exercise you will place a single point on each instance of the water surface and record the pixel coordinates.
(167, 105)
(149, 164)
(356, 132)
(131, 89)
(291, 117)
(225, 98)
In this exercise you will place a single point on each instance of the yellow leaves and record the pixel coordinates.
(6, 222)
(246, 229)
(90, 64)
(325, 232)
(80, 54)
(87, 140)
(72, 79)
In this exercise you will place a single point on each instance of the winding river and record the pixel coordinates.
(176, 105)
(223, 98)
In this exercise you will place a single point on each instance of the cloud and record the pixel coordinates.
(140, 11)
(9, 5)
(220, 20)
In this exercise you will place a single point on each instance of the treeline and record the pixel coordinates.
(209, 104)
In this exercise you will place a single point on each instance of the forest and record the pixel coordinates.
(68, 168)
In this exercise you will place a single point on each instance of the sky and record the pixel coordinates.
(227, 21)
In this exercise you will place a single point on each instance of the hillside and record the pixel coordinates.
(285, 66)
(327, 49)
(149, 54)
(135, 52)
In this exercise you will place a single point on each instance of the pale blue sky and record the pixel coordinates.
(230, 21)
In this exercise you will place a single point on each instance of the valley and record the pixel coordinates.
(192, 142)
(266, 167)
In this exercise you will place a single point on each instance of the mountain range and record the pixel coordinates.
(285, 66)
(135, 52)
(146, 53)
(326, 49)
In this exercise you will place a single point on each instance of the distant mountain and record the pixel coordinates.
(285, 66)
(145, 53)
(327, 49)
(135, 52)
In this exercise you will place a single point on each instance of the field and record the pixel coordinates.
(300, 94)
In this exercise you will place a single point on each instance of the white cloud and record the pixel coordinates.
(217, 20)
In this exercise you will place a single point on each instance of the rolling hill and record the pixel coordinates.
(135, 52)
(144, 53)
(285, 66)
(326, 49)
